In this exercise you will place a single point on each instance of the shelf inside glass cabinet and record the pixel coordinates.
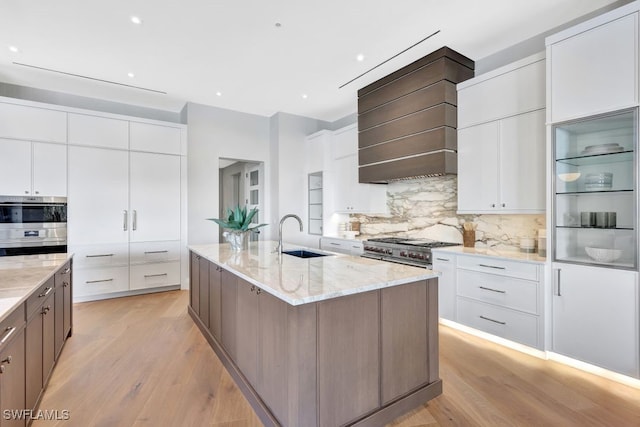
(598, 159)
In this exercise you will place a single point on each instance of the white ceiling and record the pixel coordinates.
(192, 49)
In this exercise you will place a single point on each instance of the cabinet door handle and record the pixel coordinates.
(67, 270)
(155, 252)
(493, 320)
(197, 256)
(492, 266)
(65, 284)
(558, 293)
(135, 220)
(504, 205)
(97, 256)
(46, 309)
(125, 220)
(253, 288)
(7, 360)
(155, 275)
(47, 291)
(7, 334)
(99, 281)
(492, 290)
(334, 244)
(442, 259)
(259, 291)
(493, 205)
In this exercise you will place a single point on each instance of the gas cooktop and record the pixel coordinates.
(425, 243)
(403, 250)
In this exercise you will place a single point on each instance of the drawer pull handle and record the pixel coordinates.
(8, 332)
(99, 256)
(47, 291)
(67, 270)
(155, 275)
(7, 360)
(334, 244)
(492, 266)
(99, 281)
(493, 320)
(442, 259)
(46, 309)
(155, 252)
(259, 291)
(492, 290)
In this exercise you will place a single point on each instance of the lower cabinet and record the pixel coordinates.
(194, 282)
(215, 300)
(12, 368)
(445, 265)
(595, 316)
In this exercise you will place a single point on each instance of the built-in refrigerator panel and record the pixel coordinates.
(595, 201)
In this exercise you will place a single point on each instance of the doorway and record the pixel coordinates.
(241, 183)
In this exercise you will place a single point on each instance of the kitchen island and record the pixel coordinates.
(323, 341)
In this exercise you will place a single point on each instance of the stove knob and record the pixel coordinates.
(389, 252)
(412, 255)
(367, 248)
(403, 253)
(420, 256)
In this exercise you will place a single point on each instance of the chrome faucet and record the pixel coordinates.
(279, 248)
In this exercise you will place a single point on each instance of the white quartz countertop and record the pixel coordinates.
(22, 274)
(304, 280)
(505, 254)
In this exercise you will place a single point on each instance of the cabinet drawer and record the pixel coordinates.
(502, 322)
(499, 266)
(508, 292)
(37, 298)
(97, 256)
(152, 252)
(155, 275)
(15, 320)
(95, 281)
(63, 275)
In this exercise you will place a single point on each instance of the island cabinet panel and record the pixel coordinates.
(348, 362)
(228, 309)
(215, 318)
(194, 283)
(405, 351)
(12, 379)
(247, 331)
(203, 271)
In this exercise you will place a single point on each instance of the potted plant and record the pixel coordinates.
(238, 225)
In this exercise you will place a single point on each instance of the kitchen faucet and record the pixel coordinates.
(279, 248)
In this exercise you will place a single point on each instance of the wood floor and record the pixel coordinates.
(140, 361)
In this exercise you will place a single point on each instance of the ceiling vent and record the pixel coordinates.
(407, 120)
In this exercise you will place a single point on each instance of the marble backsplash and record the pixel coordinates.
(426, 209)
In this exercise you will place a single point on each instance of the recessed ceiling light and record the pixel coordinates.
(131, 75)
(219, 93)
(136, 20)
(14, 49)
(360, 57)
(304, 96)
(278, 25)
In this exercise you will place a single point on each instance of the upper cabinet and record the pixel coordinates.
(593, 67)
(97, 131)
(32, 123)
(155, 138)
(501, 140)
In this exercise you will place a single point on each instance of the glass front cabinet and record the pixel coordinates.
(595, 199)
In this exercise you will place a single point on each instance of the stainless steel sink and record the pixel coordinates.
(301, 253)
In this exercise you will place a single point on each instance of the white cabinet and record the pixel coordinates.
(593, 67)
(98, 131)
(33, 168)
(349, 196)
(32, 123)
(155, 138)
(501, 165)
(595, 316)
(445, 265)
(344, 246)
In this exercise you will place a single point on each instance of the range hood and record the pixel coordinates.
(407, 120)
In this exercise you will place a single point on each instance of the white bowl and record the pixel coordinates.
(603, 254)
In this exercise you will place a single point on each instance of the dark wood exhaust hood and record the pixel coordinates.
(407, 120)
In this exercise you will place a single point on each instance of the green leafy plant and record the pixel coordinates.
(238, 219)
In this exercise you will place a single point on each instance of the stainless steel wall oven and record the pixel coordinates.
(32, 225)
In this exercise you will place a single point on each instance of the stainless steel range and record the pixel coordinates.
(402, 250)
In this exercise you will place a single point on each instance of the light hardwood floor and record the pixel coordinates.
(141, 361)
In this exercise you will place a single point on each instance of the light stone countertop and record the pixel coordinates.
(300, 281)
(505, 254)
(22, 274)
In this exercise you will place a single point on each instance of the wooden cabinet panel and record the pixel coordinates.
(12, 378)
(204, 291)
(436, 139)
(405, 357)
(247, 331)
(348, 360)
(58, 321)
(98, 131)
(229, 302)
(194, 283)
(424, 165)
(48, 337)
(33, 350)
(215, 301)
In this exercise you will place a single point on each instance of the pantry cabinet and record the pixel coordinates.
(33, 168)
(595, 316)
(594, 66)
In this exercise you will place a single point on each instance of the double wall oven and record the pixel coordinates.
(32, 225)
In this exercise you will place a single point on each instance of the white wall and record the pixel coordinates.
(215, 133)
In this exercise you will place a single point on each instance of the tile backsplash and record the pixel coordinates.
(426, 209)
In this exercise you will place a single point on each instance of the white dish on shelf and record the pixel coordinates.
(602, 149)
(603, 254)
